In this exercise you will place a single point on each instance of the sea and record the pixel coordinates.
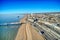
(9, 32)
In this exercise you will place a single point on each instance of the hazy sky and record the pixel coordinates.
(29, 6)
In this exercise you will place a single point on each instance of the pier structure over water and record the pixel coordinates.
(12, 23)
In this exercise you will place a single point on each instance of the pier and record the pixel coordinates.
(12, 23)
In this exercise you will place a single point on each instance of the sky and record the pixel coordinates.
(29, 6)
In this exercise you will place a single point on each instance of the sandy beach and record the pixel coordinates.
(27, 32)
